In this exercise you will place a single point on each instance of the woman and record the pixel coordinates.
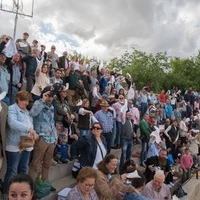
(84, 118)
(21, 187)
(84, 188)
(92, 147)
(107, 186)
(41, 80)
(19, 124)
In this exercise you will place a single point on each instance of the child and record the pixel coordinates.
(186, 162)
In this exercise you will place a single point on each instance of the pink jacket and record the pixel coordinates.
(120, 117)
(135, 115)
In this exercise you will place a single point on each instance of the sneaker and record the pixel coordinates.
(172, 184)
(53, 162)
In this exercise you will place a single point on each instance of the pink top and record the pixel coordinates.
(186, 161)
(135, 115)
(119, 115)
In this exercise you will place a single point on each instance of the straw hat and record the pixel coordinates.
(104, 103)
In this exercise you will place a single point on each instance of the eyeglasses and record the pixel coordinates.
(95, 127)
(121, 98)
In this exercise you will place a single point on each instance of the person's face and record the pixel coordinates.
(42, 48)
(96, 130)
(157, 182)
(87, 185)
(45, 69)
(104, 108)
(16, 57)
(163, 154)
(121, 98)
(20, 191)
(23, 104)
(53, 48)
(2, 59)
(86, 104)
(58, 74)
(25, 37)
(112, 165)
(34, 53)
(63, 93)
(65, 54)
(128, 116)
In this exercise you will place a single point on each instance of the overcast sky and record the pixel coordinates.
(107, 28)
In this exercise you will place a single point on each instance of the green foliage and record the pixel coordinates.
(159, 70)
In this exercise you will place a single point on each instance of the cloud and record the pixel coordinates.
(106, 29)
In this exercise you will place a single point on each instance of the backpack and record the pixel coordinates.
(180, 192)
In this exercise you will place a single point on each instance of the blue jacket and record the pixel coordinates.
(85, 149)
(19, 123)
(43, 121)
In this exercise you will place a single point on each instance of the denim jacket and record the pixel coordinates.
(85, 149)
(19, 123)
(43, 121)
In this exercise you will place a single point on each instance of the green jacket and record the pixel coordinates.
(145, 130)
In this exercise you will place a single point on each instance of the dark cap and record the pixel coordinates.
(35, 41)
(25, 33)
(49, 89)
(42, 45)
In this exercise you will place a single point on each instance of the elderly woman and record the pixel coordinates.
(19, 124)
(92, 147)
(107, 186)
(85, 183)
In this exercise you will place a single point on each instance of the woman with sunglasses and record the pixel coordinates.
(90, 149)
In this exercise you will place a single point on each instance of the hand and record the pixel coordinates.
(19, 85)
(74, 136)
(45, 96)
(170, 139)
(123, 178)
(151, 167)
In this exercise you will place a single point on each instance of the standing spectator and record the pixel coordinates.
(35, 46)
(75, 64)
(30, 62)
(53, 56)
(127, 134)
(23, 45)
(63, 61)
(4, 78)
(19, 124)
(44, 124)
(169, 109)
(186, 162)
(145, 131)
(42, 80)
(105, 117)
(43, 53)
(3, 41)
(16, 77)
(84, 118)
(144, 101)
(162, 96)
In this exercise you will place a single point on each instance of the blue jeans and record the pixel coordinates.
(118, 133)
(114, 133)
(144, 151)
(127, 149)
(84, 132)
(108, 137)
(144, 107)
(17, 163)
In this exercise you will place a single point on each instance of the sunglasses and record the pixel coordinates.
(95, 127)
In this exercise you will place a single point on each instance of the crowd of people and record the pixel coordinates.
(58, 110)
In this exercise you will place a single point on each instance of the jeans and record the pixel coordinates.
(144, 151)
(143, 109)
(17, 163)
(30, 81)
(84, 132)
(108, 137)
(127, 149)
(114, 132)
(118, 133)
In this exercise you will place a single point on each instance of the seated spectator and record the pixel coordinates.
(129, 166)
(21, 187)
(139, 184)
(155, 163)
(84, 188)
(91, 148)
(157, 189)
(108, 186)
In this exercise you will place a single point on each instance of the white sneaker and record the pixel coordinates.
(53, 162)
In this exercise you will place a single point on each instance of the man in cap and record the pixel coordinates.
(23, 45)
(106, 118)
(44, 124)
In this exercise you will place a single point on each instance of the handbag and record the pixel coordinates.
(26, 142)
(42, 188)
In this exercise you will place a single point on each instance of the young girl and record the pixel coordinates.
(186, 162)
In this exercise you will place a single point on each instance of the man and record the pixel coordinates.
(127, 134)
(144, 101)
(155, 163)
(44, 124)
(63, 61)
(43, 53)
(145, 131)
(156, 189)
(23, 45)
(4, 78)
(106, 118)
(53, 56)
(57, 77)
(30, 63)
